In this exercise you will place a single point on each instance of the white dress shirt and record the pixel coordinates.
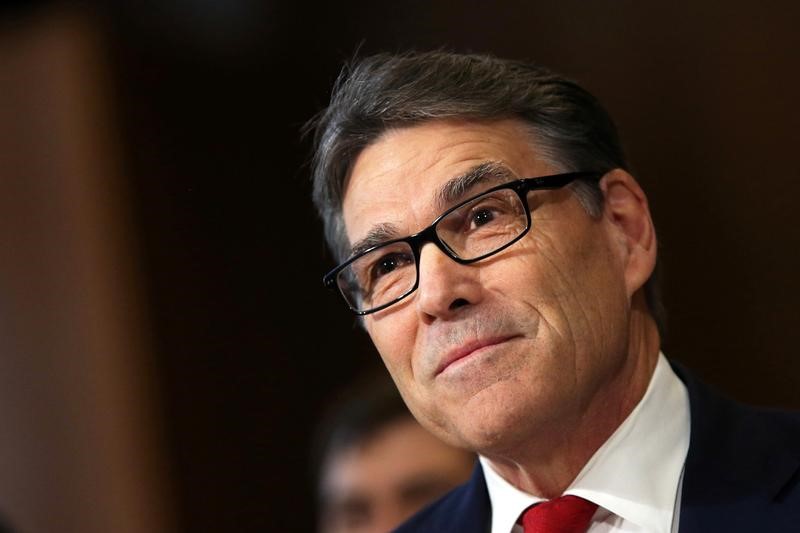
(634, 477)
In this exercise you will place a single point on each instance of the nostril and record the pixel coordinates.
(460, 302)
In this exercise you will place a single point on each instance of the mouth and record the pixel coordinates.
(469, 349)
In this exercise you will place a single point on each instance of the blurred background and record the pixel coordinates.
(166, 346)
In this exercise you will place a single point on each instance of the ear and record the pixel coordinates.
(626, 210)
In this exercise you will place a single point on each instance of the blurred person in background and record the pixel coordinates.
(377, 466)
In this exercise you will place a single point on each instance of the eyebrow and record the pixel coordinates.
(377, 235)
(488, 172)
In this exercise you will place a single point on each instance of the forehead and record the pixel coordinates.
(395, 179)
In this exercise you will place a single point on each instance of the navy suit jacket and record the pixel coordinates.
(742, 474)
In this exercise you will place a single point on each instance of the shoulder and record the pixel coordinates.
(742, 472)
(465, 509)
(714, 416)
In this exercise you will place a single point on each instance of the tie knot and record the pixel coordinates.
(567, 514)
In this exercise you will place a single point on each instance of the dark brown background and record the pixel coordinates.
(248, 348)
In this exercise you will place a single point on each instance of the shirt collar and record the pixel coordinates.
(635, 474)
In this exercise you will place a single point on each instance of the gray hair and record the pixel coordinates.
(570, 128)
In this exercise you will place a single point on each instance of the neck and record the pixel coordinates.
(548, 463)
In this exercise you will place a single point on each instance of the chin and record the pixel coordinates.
(500, 417)
(491, 432)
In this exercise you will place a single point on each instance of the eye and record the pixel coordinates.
(388, 263)
(480, 217)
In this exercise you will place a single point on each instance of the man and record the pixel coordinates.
(378, 466)
(502, 259)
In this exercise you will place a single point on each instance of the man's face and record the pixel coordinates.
(512, 348)
(373, 486)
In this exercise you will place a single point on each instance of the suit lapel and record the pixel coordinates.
(464, 510)
(473, 511)
(739, 461)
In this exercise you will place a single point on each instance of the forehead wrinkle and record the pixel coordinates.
(396, 162)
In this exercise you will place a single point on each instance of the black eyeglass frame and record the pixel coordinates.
(521, 186)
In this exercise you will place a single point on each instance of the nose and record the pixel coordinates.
(445, 288)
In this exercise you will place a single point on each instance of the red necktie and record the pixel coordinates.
(567, 514)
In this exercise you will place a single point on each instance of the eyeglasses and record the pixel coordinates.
(468, 232)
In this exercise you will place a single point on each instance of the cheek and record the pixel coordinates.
(590, 289)
(393, 336)
(529, 273)
(571, 277)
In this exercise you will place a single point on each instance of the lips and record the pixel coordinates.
(465, 350)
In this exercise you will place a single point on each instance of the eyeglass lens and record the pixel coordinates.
(477, 228)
